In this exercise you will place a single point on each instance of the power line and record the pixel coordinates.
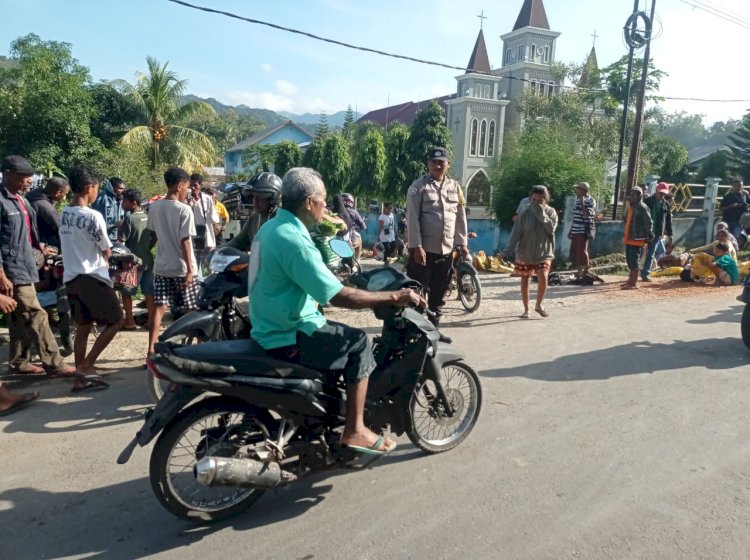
(422, 61)
(727, 11)
(716, 12)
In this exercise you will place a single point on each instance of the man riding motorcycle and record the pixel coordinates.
(265, 188)
(288, 280)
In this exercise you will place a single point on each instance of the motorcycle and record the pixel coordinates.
(465, 281)
(220, 314)
(274, 422)
(53, 296)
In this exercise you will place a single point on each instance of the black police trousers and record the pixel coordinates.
(434, 277)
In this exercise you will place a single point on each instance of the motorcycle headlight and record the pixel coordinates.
(219, 262)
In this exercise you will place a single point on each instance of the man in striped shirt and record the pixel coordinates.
(582, 229)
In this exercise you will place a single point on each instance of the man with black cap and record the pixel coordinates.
(437, 223)
(27, 324)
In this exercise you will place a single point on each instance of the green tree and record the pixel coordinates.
(115, 113)
(368, 161)
(715, 165)
(348, 128)
(739, 148)
(665, 157)
(399, 168)
(45, 104)
(335, 163)
(322, 129)
(162, 132)
(544, 155)
(288, 155)
(313, 153)
(428, 130)
(259, 157)
(615, 79)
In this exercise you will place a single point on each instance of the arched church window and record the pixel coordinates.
(482, 138)
(479, 191)
(491, 140)
(486, 92)
(473, 142)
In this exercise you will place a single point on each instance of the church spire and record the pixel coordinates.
(532, 15)
(590, 73)
(479, 62)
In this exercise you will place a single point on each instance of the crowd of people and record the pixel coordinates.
(289, 278)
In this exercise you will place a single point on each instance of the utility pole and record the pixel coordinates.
(635, 40)
(635, 149)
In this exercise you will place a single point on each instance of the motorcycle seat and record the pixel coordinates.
(246, 357)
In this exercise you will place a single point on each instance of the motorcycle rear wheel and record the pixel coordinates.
(429, 427)
(212, 427)
(745, 326)
(469, 291)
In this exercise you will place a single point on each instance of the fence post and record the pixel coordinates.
(709, 206)
(567, 221)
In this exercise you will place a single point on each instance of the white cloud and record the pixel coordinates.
(261, 100)
(266, 67)
(286, 88)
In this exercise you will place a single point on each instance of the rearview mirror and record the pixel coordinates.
(341, 248)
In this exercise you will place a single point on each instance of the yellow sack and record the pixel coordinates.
(671, 271)
(701, 261)
(480, 260)
(498, 266)
(745, 268)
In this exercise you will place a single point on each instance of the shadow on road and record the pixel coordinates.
(634, 358)
(125, 520)
(730, 315)
(72, 412)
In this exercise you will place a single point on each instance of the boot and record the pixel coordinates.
(632, 282)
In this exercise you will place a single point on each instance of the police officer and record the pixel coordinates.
(437, 223)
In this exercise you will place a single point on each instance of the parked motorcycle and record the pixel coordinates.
(465, 281)
(53, 296)
(220, 314)
(275, 422)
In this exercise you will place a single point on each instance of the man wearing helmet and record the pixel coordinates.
(265, 188)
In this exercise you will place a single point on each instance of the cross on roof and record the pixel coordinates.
(481, 17)
(595, 37)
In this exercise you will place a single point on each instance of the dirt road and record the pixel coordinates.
(616, 428)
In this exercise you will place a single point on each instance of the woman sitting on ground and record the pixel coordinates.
(722, 236)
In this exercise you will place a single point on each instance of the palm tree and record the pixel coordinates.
(162, 135)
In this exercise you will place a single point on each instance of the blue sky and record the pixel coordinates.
(238, 62)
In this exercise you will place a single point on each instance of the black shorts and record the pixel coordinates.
(93, 301)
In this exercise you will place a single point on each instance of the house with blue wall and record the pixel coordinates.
(287, 130)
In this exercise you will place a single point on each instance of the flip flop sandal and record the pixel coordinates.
(524, 315)
(18, 405)
(93, 383)
(33, 370)
(542, 311)
(373, 449)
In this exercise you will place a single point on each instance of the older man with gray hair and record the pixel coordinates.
(288, 280)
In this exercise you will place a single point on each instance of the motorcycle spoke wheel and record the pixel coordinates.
(431, 428)
(469, 292)
(218, 430)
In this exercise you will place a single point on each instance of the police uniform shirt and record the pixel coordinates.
(436, 217)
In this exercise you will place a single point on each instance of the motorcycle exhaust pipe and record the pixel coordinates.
(224, 471)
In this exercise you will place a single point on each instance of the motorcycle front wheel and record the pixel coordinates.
(157, 387)
(745, 326)
(213, 428)
(469, 291)
(430, 428)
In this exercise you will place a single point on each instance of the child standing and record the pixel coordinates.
(387, 231)
(172, 226)
(86, 248)
(136, 236)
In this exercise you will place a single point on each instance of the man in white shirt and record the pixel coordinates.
(85, 249)
(387, 231)
(205, 214)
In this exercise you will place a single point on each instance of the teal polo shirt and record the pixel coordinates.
(287, 281)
